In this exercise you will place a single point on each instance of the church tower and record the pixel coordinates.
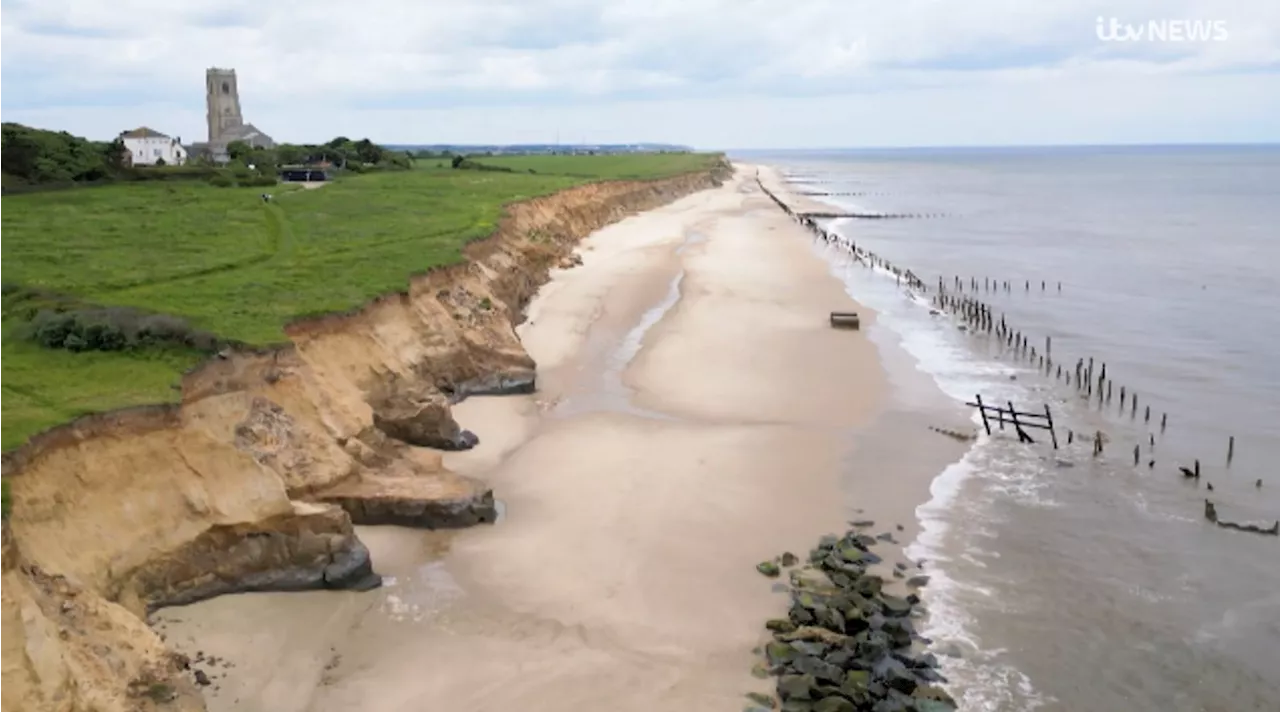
(222, 98)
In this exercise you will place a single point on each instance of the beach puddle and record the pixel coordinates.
(608, 392)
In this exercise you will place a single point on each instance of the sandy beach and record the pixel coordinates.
(695, 415)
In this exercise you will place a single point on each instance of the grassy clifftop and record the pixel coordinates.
(177, 262)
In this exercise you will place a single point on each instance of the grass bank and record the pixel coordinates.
(223, 262)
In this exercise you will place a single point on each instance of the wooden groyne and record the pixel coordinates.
(965, 299)
(1019, 419)
(861, 215)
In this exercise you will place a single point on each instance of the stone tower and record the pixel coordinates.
(222, 98)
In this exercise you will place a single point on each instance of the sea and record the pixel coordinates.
(1062, 579)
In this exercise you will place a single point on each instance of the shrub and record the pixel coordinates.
(116, 329)
(222, 180)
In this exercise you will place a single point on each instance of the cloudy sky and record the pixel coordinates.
(708, 73)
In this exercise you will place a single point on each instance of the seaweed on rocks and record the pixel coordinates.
(846, 645)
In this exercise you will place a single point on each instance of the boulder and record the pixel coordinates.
(810, 579)
(895, 606)
(779, 653)
(821, 670)
(869, 585)
(934, 694)
(834, 704)
(780, 625)
(768, 568)
(796, 687)
(760, 699)
(816, 635)
(789, 559)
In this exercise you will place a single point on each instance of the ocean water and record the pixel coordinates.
(1061, 580)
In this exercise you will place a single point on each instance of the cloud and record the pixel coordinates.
(312, 68)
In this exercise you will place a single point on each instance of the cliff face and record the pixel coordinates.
(254, 480)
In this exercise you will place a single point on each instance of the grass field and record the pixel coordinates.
(240, 268)
(620, 166)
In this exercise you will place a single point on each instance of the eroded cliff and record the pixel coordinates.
(253, 481)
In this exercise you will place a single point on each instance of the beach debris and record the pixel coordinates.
(918, 581)
(862, 523)
(852, 646)
(1209, 486)
(955, 434)
(845, 320)
(1211, 514)
(1258, 484)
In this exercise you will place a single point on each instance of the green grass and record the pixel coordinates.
(240, 268)
(610, 167)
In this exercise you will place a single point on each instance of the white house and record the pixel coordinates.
(148, 147)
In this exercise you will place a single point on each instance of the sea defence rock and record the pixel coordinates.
(845, 644)
(253, 480)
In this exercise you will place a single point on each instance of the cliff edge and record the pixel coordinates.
(254, 480)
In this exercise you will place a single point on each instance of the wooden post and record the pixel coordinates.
(1197, 469)
(1231, 449)
(1147, 417)
(983, 410)
(1134, 412)
(1017, 427)
(1135, 455)
(1071, 436)
(1048, 416)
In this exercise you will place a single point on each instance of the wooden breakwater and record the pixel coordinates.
(966, 300)
(866, 215)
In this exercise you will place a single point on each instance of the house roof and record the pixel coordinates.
(142, 132)
(242, 132)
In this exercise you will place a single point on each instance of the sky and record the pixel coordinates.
(718, 74)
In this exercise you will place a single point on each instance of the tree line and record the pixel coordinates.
(35, 159)
(341, 152)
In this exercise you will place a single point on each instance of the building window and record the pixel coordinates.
(226, 88)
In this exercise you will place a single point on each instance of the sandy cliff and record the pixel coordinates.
(254, 480)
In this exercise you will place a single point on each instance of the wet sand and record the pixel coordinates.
(695, 415)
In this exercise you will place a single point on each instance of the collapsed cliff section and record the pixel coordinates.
(253, 481)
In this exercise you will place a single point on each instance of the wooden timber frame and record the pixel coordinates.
(1019, 419)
